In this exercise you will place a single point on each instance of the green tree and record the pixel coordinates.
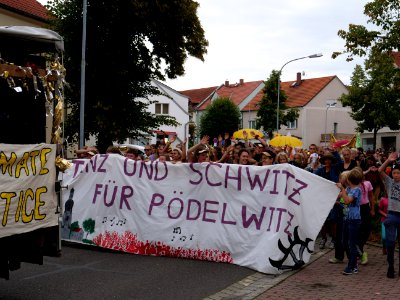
(221, 116)
(374, 95)
(384, 15)
(128, 44)
(266, 114)
(88, 226)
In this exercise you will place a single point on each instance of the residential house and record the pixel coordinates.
(317, 100)
(171, 103)
(241, 94)
(22, 13)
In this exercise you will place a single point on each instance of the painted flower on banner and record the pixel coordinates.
(128, 242)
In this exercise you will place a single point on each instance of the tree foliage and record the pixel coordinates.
(374, 95)
(74, 226)
(88, 226)
(221, 116)
(384, 16)
(128, 44)
(266, 114)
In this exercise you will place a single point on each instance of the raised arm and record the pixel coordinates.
(171, 140)
(226, 153)
(204, 141)
(183, 148)
(392, 157)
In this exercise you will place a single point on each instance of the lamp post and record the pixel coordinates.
(329, 103)
(83, 79)
(279, 83)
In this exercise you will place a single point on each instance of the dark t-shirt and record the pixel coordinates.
(352, 165)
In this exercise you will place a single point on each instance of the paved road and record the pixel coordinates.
(322, 280)
(91, 273)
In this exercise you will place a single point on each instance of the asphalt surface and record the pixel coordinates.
(84, 272)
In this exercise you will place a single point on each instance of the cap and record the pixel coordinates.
(269, 153)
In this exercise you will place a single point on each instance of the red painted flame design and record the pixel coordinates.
(128, 242)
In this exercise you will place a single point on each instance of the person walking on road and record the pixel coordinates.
(341, 207)
(352, 219)
(392, 222)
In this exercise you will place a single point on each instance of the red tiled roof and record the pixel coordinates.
(297, 95)
(236, 92)
(198, 95)
(253, 104)
(396, 56)
(26, 7)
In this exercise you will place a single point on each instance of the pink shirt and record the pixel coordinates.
(365, 189)
(383, 206)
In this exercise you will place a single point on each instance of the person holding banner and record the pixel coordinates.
(86, 152)
(392, 222)
(341, 207)
(330, 171)
(267, 158)
(177, 156)
(199, 152)
(245, 158)
(132, 153)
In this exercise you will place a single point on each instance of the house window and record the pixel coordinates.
(252, 124)
(162, 108)
(292, 125)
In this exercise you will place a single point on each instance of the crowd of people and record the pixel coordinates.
(369, 183)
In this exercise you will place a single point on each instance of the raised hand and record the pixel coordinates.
(393, 156)
(205, 139)
(172, 138)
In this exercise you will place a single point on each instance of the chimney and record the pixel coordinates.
(226, 82)
(241, 81)
(298, 79)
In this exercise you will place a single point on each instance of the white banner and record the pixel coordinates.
(264, 218)
(27, 181)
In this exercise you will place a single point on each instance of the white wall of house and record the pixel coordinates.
(178, 107)
(8, 18)
(385, 139)
(248, 119)
(315, 117)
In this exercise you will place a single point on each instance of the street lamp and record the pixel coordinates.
(279, 83)
(329, 103)
(83, 79)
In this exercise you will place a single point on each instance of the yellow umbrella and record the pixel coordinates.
(285, 140)
(247, 133)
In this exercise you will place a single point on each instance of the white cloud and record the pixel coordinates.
(248, 39)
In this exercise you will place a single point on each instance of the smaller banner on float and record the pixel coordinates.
(264, 218)
(27, 188)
